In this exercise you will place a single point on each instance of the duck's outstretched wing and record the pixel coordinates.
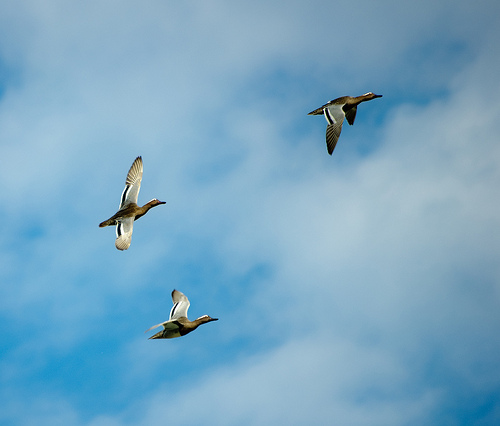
(124, 233)
(181, 305)
(350, 114)
(154, 326)
(334, 115)
(180, 308)
(132, 184)
(167, 325)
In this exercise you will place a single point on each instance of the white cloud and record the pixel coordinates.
(317, 379)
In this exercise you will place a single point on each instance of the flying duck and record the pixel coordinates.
(178, 324)
(129, 210)
(336, 110)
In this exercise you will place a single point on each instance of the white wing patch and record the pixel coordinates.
(181, 305)
(132, 183)
(330, 119)
(124, 233)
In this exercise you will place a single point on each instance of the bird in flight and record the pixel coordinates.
(336, 110)
(178, 324)
(129, 210)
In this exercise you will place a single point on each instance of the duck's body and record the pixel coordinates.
(129, 210)
(335, 111)
(178, 324)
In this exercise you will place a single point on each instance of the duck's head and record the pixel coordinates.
(206, 318)
(372, 95)
(156, 202)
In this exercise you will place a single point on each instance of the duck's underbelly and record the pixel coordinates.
(170, 334)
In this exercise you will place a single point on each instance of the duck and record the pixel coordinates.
(336, 110)
(129, 211)
(178, 324)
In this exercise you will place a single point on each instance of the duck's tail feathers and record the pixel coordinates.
(108, 222)
(318, 111)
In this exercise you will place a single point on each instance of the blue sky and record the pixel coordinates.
(357, 289)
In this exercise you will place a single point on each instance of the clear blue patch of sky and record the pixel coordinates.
(465, 407)
(432, 65)
(462, 401)
(9, 76)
